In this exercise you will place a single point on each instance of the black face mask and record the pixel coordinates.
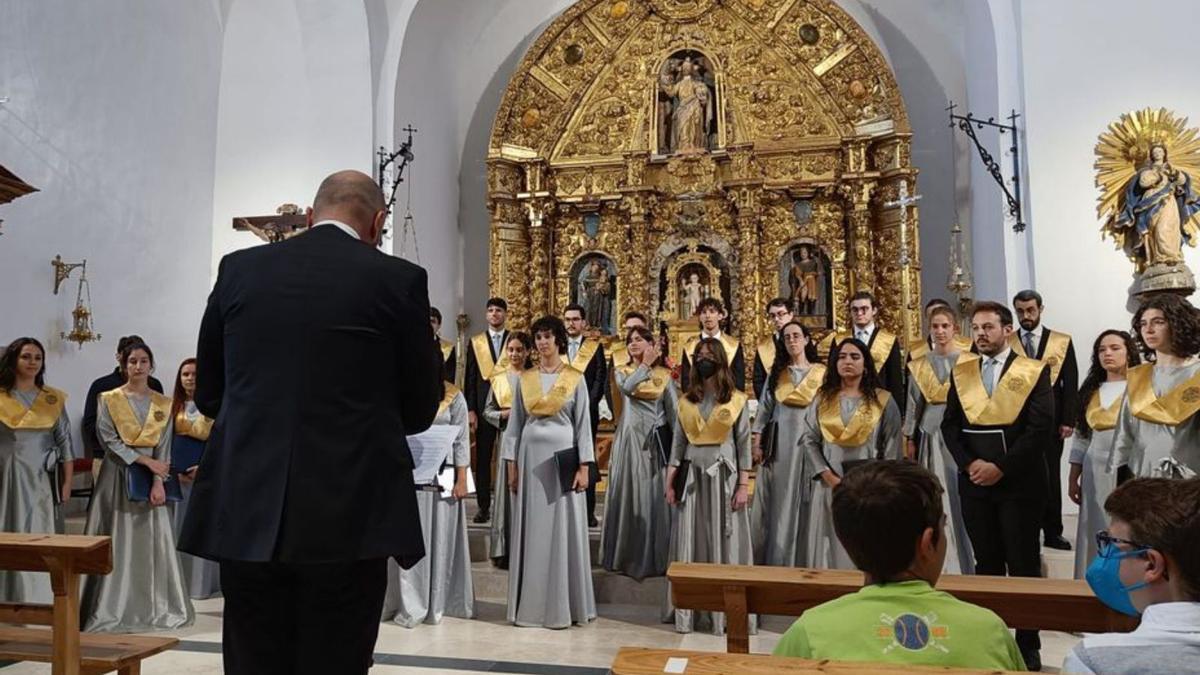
(706, 368)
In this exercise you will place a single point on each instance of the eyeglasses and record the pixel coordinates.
(1106, 544)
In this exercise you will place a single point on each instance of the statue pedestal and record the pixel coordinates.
(1157, 279)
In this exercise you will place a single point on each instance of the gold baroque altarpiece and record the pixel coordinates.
(650, 151)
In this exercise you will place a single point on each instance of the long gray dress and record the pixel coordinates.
(933, 455)
(1096, 482)
(707, 529)
(26, 496)
(146, 590)
(783, 488)
(549, 565)
(1158, 450)
(824, 549)
(636, 539)
(502, 498)
(203, 576)
(441, 583)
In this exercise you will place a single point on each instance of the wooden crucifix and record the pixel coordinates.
(289, 220)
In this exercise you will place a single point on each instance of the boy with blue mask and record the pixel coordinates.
(1148, 564)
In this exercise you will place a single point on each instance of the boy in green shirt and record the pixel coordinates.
(888, 515)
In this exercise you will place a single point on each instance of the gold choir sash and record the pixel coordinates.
(729, 342)
(1007, 399)
(502, 390)
(41, 415)
(1173, 409)
(447, 347)
(766, 352)
(1055, 354)
(934, 390)
(448, 398)
(800, 395)
(862, 422)
(881, 345)
(587, 349)
(620, 355)
(133, 434)
(544, 404)
(917, 349)
(198, 429)
(1101, 419)
(483, 356)
(715, 429)
(652, 388)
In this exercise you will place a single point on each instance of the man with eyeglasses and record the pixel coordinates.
(884, 347)
(1148, 564)
(779, 311)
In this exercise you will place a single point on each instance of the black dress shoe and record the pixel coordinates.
(1033, 660)
(1058, 543)
(592, 522)
(481, 517)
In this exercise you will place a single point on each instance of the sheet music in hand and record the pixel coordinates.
(446, 477)
(430, 449)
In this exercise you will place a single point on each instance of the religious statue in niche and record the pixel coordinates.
(1146, 163)
(693, 287)
(687, 104)
(805, 280)
(595, 290)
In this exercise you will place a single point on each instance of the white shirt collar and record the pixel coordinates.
(339, 225)
(1036, 332)
(869, 329)
(495, 333)
(715, 336)
(1000, 358)
(575, 340)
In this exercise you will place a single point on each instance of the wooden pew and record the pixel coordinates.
(741, 590)
(636, 661)
(65, 557)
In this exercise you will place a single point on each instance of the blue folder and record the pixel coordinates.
(185, 453)
(139, 480)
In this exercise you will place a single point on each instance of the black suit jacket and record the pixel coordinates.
(763, 370)
(315, 358)
(891, 372)
(1024, 465)
(1066, 389)
(477, 388)
(87, 426)
(596, 377)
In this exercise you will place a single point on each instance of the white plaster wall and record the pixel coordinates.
(112, 114)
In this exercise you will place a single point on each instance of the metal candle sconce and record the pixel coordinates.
(81, 325)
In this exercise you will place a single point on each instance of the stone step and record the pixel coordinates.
(491, 584)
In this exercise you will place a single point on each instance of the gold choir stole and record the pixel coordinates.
(881, 345)
(620, 354)
(652, 388)
(1055, 354)
(502, 390)
(198, 429)
(862, 422)
(448, 398)
(447, 347)
(1008, 397)
(136, 435)
(544, 404)
(587, 349)
(730, 344)
(44, 412)
(800, 395)
(483, 356)
(1173, 409)
(766, 352)
(917, 349)
(922, 372)
(715, 429)
(1100, 418)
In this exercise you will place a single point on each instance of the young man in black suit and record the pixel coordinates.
(998, 413)
(316, 360)
(779, 311)
(586, 355)
(486, 356)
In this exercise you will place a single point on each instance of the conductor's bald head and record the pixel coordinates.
(353, 198)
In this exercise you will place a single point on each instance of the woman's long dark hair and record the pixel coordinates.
(1182, 318)
(179, 400)
(1097, 375)
(723, 378)
(647, 335)
(526, 341)
(783, 359)
(554, 326)
(8, 364)
(869, 386)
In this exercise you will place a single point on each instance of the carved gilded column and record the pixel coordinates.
(508, 263)
(747, 201)
(538, 280)
(862, 265)
(635, 282)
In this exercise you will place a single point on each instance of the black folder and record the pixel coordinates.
(680, 480)
(986, 444)
(56, 475)
(567, 462)
(185, 453)
(769, 442)
(665, 436)
(139, 480)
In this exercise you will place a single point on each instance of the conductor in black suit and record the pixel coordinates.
(998, 413)
(586, 355)
(316, 358)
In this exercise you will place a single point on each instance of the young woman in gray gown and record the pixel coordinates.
(35, 438)
(146, 590)
(549, 431)
(440, 584)
(711, 446)
(1100, 398)
(783, 487)
(854, 420)
(928, 387)
(203, 576)
(1158, 430)
(637, 524)
(496, 412)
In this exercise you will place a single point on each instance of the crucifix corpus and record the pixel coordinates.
(288, 221)
(903, 202)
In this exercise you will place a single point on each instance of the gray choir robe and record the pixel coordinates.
(707, 529)
(1157, 450)
(824, 549)
(933, 455)
(782, 489)
(203, 576)
(1096, 482)
(549, 562)
(26, 456)
(440, 584)
(502, 498)
(637, 521)
(146, 590)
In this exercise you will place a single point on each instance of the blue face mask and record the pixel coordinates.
(1104, 576)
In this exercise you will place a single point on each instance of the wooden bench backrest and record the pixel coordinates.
(636, 661)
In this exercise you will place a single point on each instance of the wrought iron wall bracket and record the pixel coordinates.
(969, 124)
